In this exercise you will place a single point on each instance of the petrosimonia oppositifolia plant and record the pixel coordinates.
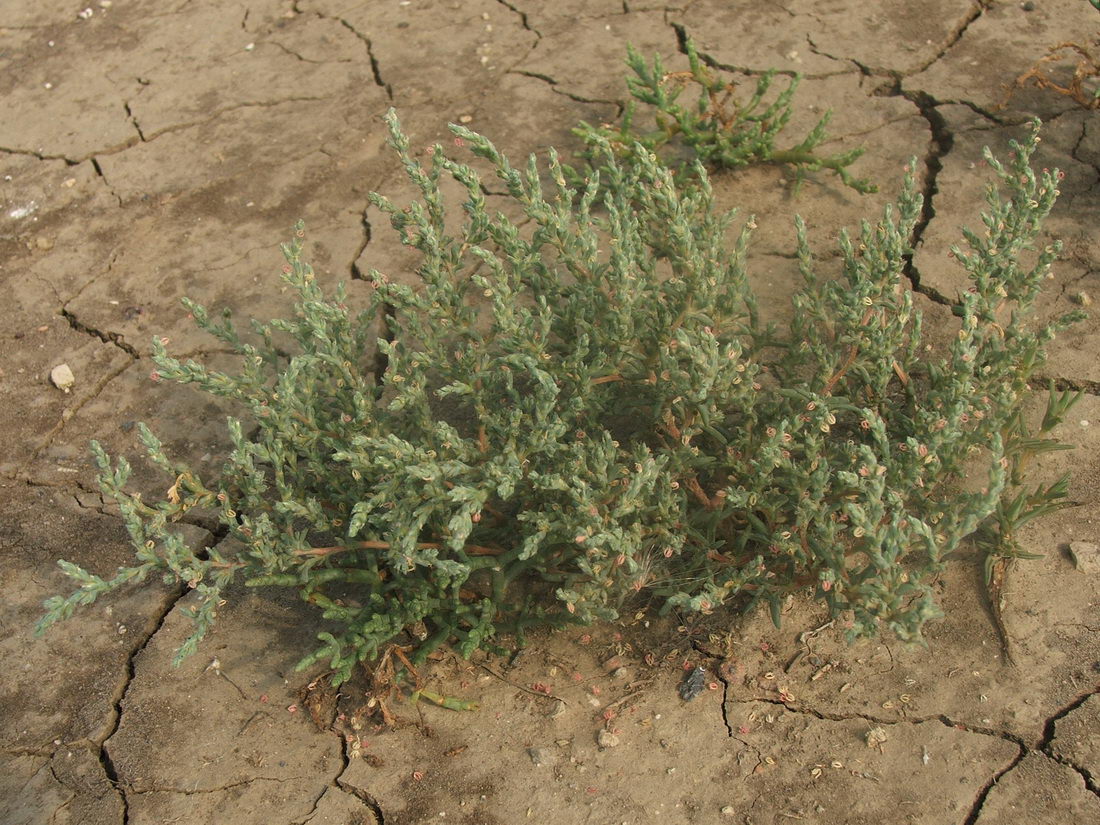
(721, 129)
(585, 405)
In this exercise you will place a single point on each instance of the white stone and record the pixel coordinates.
(62, 377)
(1085, 555)
(606, 739)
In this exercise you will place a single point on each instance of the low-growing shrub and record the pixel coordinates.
(574, 408)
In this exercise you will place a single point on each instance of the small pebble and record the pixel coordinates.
(1085, 555)
(606, 739)
(62, 377)
(1081, 298)
(729, 810)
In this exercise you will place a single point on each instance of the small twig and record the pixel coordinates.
(604, 379)
(697, 489)
(524, 688)
(623, 699)
(852, 353)
(806, 634)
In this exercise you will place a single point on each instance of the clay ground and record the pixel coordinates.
(151, 149)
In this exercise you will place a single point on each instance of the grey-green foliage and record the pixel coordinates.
(586, 406)
(718, 129)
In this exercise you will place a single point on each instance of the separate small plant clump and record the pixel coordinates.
(584, 406)
(718, 129)
(1083, 86)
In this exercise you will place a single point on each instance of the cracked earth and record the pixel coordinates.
(154, 149)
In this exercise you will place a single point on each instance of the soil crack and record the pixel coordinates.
(1063, 384)
(219, 789)
(1045, 746)
(375, 68)
(359, 793)
(556, 89)
(983, 793)
(115, 338)
(1077, 148)
(710, 61)
(316, 803)
(104, 754)
(943, 719)
(941, 143)
(815, 49)
(98, 169)
(134, 121)
(955, 35)
(300, 57)
(523, 19)
(149, 138)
